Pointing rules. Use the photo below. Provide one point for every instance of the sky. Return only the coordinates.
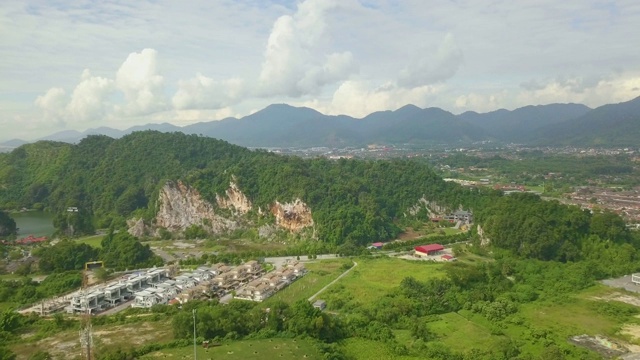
(84, 64)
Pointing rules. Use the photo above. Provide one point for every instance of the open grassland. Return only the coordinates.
(246, 349)
(456, 331)
(66, 345)
(319, 274)
(537, 323)
(357, 348)
(375, 277)
(92, 240)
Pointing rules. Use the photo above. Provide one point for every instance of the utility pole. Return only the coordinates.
(195, 353)
(86, 335)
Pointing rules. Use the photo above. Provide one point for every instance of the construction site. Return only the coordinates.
(149, 287)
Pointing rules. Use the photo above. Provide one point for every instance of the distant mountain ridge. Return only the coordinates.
(281, 125)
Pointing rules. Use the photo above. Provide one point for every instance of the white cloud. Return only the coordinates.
(431, 67)
(294, 64)
(53, 104)
(358, 99)
(141, 84)
(90, 99)
(332, 54)
(202, 92)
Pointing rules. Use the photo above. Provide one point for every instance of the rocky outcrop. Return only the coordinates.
(433, 209)
(293, 216)
(234, 200)
(181, 206)
(484, 241)
(137, 227)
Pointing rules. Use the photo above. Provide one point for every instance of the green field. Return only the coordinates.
(375, 277)
(456, 331)
(92, 240)
(247, 349)
(357, 348)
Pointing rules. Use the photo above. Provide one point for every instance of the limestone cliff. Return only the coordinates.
(484, 240)
(181, 206)
(293, 216)
(234, 200)
(432, 208)
(137, 227)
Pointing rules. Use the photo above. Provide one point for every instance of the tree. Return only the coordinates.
(7, 225)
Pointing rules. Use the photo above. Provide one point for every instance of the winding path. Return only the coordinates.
(334, 281)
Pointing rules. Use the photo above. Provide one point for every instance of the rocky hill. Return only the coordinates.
(176, 182)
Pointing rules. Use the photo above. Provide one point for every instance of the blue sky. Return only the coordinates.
(84, 64)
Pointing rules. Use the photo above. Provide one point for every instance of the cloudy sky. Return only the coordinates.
(85, 64)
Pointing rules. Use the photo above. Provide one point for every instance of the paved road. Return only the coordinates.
(334, 281)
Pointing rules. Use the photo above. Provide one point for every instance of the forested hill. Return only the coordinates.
(351, 200)
(282, 125)
(608, 125)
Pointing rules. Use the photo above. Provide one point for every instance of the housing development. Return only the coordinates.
(144, 289)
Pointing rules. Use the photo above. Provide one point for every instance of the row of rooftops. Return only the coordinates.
(261, 288)
(156, 283)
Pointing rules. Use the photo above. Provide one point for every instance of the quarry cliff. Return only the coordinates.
(180, 206)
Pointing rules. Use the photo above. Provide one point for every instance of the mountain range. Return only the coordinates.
(281, 125)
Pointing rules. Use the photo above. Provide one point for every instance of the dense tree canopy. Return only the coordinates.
(352, 201)
(530, 227)
(7, 225)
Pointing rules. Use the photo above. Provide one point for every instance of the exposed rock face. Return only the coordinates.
(234, 200)
(136, 227)
(293, 216)
(484, 241)
(432, 207)
(181, 206)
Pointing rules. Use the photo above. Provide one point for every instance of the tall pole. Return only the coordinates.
(195, 354)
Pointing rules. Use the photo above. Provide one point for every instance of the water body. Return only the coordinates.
(36, 223)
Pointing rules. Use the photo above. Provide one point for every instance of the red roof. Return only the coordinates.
(377, 244)
(429, 248)
(447, 257)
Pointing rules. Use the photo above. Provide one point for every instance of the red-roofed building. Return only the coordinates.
(377, 245)
(447, 257)
(28, 240)
(426, 250)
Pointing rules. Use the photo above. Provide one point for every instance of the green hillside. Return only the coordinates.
(351, 200)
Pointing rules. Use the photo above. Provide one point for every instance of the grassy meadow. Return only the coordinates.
(245, 349)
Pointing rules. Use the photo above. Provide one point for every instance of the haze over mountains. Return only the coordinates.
(282, 125)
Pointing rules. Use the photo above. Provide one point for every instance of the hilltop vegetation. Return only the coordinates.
(7, 225)
(109, 180)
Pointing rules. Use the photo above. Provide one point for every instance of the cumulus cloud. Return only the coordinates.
(431, 67)
(592, 91)
(90, 98)
(53, 104)
(141, 84)
(89, 101)
(292, 65)
(359, 99)
(204, 92)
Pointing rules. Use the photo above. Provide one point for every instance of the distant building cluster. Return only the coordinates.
(26, 241)
(150, 287)
(262, 288)
(434, 252)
